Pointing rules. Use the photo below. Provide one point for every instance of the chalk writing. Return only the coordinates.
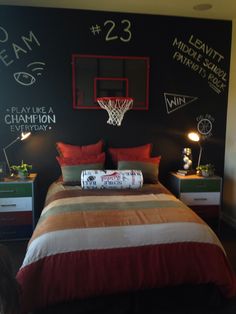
(209, 51)
(95, 29)
(26, 118)
(202, 59)
(16, 51)
(113, 31)
(27, 44)
(175, 101)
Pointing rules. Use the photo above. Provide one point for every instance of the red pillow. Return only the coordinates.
(67, 150)
(143, 151)
(72, 161)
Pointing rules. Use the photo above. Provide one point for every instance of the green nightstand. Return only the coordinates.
(17, 210)
(202, 194)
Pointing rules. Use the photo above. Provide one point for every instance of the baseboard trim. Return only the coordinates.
(229, 220)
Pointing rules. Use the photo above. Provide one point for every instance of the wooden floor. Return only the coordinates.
(227, 236)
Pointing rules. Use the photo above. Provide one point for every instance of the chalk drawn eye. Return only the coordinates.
(24, 78)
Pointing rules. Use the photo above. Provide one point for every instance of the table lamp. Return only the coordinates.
(195, 137)
(22, 137)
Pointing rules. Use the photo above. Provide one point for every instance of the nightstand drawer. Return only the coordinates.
(15, 218)
(208, 211)
(15, 204)
(206, 185)
(15, 190)
(15, 232)
(203, 198)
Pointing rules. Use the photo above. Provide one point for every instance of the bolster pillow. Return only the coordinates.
(111, 179)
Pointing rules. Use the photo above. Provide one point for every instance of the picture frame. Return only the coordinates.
(2, 170)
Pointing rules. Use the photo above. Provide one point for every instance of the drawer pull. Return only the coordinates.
(200, 199)
(8, 205)
(8, 191)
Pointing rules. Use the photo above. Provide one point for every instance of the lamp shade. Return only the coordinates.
(194, 136)
(24, 136)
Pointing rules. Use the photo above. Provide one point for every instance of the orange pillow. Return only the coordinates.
(67, 150)
(143, 151)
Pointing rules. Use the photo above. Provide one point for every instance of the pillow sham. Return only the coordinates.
(68, 150)
(143, 151)
(148, 166)
(71, 168)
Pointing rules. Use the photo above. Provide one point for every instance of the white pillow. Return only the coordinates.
(111, 179)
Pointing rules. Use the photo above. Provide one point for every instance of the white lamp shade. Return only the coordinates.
(193, 136)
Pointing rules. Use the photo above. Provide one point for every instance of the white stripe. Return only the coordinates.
(117, 237)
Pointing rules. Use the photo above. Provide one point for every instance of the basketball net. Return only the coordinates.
(116, 108)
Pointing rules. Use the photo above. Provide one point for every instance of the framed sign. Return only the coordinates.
(2, 169)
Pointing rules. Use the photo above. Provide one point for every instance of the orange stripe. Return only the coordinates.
(111, 218)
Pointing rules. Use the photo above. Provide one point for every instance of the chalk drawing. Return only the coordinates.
(26, 78)
(176, 101)
(205, 125)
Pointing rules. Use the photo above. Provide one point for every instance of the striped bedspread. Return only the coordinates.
(98, 242)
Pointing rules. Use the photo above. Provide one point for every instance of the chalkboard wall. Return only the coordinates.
(188, 84)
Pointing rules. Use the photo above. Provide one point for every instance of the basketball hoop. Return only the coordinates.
(116, 108)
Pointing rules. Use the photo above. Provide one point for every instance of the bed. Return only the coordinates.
(96, 243)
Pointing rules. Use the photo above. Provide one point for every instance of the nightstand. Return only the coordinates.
(202, 194)
(17, 210)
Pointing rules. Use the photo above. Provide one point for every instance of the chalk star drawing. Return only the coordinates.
(95, 29)
(175, 101)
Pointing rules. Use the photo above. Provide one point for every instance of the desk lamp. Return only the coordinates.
(22, 137)
(195, 137)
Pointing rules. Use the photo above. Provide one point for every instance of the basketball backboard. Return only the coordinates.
(96, 76)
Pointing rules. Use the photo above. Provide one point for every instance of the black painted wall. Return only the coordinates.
(189, 73)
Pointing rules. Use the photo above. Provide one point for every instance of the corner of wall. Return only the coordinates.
(229, 191)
